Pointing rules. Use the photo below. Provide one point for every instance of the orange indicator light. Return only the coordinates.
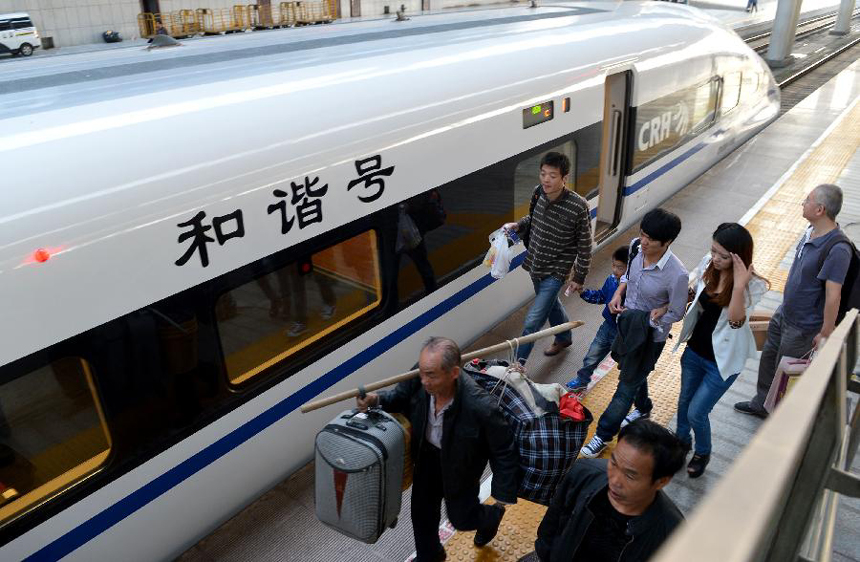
(41, 255)
(546, 113)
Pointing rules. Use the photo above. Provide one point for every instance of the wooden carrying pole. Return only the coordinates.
(509, 344)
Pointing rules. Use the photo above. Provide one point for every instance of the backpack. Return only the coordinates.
(426, 211)
(850, 287)
(525, 235)
(434, 211)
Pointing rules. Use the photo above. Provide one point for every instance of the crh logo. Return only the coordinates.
(682, 120)
(658, 129)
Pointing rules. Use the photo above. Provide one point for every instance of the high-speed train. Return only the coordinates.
(196, 240)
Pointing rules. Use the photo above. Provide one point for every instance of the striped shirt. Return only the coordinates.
(559, 238)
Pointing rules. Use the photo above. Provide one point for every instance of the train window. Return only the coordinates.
(731, 92)
(704, 106)
(272, 317)
(750, 83)
(454, 221)
(52, 434)
(668, 122)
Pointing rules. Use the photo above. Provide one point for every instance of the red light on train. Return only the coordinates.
(41, 255)
(306, 267)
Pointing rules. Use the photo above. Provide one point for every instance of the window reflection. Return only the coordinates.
(52, 434)
(266, 320)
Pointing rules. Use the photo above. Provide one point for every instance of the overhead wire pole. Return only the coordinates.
(843, 18)
(784, 31)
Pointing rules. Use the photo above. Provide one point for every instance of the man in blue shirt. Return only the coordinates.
(602, 342)
(812, 293)
(653, 295)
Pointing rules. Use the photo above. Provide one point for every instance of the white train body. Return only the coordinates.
(102, 161)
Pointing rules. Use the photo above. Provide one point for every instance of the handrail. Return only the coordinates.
(779, 491)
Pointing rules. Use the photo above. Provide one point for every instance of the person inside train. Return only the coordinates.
(651, 296)
(558, 253)
(719, 339)
(457, 427)
(602, 342)
(812, 295)
(427, 212)
(615, 509)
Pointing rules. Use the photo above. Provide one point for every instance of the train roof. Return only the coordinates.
(47, 83)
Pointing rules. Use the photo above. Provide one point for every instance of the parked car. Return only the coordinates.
(18, 35)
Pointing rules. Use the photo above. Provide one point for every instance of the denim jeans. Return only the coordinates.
(547, 306)
(598, 350)
(632, 390)
(701, 388)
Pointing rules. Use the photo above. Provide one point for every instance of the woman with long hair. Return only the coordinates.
(718, 337)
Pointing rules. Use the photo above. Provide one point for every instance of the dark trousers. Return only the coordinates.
(464, 513)
(419, 257)
(782, 339)
(632, 390)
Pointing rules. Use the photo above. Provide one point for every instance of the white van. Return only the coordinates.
(18, 35)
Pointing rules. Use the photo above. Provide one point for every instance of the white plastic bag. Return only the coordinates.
(499, 256)
(408, 235)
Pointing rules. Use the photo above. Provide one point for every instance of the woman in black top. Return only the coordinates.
(718, 337)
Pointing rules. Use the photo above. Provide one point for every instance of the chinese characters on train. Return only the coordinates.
(299, 207)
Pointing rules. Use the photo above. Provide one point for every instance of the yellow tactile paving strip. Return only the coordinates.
(775, 228)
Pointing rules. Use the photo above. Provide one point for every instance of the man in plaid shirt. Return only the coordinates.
(559, 249)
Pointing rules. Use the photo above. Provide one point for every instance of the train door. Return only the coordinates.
(613, 153)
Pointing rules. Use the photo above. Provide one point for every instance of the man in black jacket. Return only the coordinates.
(456, 428)
(615, 510)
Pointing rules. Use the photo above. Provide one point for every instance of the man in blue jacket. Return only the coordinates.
(602, 342)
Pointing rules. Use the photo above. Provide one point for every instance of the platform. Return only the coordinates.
(761, 184)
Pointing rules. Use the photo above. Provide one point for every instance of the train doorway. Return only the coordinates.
(613, 153)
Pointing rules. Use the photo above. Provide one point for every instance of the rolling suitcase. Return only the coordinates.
(359, 472)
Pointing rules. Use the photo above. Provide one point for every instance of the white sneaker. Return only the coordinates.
(593, 448)
(297, 329)
(327, 312)
(633, 416)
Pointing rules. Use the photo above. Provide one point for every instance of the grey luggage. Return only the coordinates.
(359, 472)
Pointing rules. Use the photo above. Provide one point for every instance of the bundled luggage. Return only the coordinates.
(548, 442)
(359, 473)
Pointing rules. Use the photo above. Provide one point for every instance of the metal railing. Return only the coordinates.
(778, 502)
(241, 17)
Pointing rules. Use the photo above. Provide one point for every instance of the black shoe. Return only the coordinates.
(440, 556)
(484, 536)
(696, 466)
(750, 410)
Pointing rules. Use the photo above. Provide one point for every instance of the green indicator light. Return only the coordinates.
(536, 110)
